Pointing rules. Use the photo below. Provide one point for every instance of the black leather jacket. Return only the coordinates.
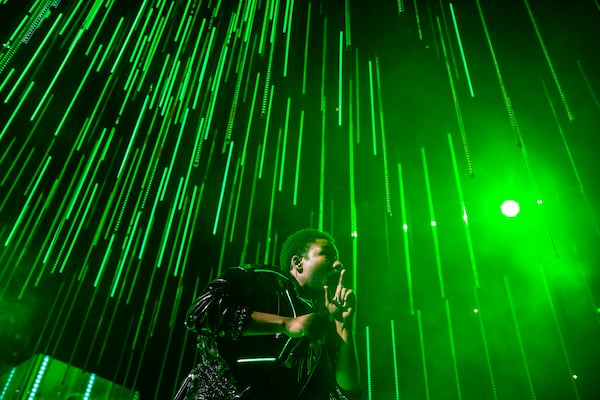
(262, 367)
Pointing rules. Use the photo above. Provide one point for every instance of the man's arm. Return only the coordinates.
(261, 323)
(342, 308)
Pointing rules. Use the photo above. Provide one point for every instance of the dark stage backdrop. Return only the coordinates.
(450, 147)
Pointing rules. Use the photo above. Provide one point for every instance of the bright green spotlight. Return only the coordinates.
(510, 208)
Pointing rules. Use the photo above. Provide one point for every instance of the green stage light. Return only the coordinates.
(510, 208)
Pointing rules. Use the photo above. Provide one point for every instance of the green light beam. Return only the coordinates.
(369, 376)
(550, 64)
(407, 258)
(386, 169)
(306, 48)
(32, 61)
(515, 321)
(507, 102)
(284, 148)
(126, 42)
(223, 186)
(423, 354)
(27, 202)
(457, 110)
(372, 97)
(298, 155)
(266, 134)
(465, 217)
(287, 41)
(453, 349)
(436, 246)
(462, 52)
(395, 360)
(17, 108)
(339, 110)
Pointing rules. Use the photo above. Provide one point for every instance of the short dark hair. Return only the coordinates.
(298, 243)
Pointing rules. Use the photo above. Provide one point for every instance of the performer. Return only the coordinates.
(267, 333)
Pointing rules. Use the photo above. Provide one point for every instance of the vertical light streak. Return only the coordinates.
(73, 240)
(462, 52)
(386, 172)
(507, 102)
(266, 134)
(104, 260)
(550, 64)
(28, 202)
(133, 135)
(372, 97)
(587, 84)
(77, 93)
(207, 51)
(32, 61)
(223, 186)
(185, 234)
(288, 38)
(250, 207)
(559, 330)
(418, 20)
(110, 44)
(250, 119)
(463, 210)
(423, 356)
(571, 161)
(357, 72)
(284, 148)
(347, 26)
(298, 155)
(486, 349)
(459, 118)
(268, 239)
(395, 360)
(353, 218)
(519, 337)
(436, 246)
(340, 79)
(126, 42)
(306, 48)
(369, 377)
(5, 82)
(453, 349)
(322, 172)
(215, 90)
(323, 64)
(406, 242)
(17, 109)
(125, 254)
(400, 6)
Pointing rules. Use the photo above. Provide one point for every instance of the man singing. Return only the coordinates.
(267, 333)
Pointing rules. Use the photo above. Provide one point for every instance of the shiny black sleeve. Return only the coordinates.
(220, 309)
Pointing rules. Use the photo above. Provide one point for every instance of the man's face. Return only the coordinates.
(319, 267)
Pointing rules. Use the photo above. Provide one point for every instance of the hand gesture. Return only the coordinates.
(343, 302)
